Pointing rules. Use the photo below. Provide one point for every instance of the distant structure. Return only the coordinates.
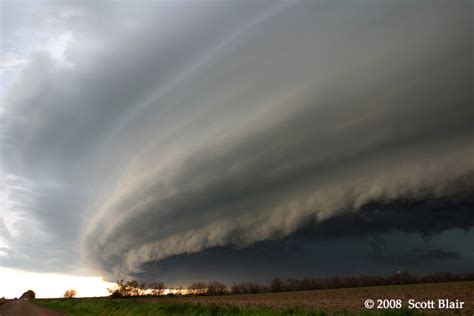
(28, 295)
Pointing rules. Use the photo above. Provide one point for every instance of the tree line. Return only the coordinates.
(135, 288)
(312, 283)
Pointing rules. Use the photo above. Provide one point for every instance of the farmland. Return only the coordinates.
(315, 302)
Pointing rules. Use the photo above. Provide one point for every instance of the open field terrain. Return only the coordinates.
(345, 299)
(333, 301)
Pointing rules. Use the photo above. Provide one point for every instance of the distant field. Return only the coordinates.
(344, 299)
(315, 302)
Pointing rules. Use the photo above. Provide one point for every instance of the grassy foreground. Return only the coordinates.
(132, 307)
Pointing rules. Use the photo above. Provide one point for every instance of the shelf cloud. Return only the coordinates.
(170, 130)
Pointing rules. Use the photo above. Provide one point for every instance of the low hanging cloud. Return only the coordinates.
(162, 135)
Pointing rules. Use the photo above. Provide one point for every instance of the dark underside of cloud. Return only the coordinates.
(305, 137)
(370, 241)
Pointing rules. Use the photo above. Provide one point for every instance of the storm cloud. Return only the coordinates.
(174, 129)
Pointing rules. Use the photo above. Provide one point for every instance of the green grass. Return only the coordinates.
(132, 307)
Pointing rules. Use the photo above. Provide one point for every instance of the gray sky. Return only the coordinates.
(174, 139)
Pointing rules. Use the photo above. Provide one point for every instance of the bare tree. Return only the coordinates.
(216, 288)
(237, 288)
(126, 289)
(277, 285)
(134, 287)
(179, 291)
(198, 288)
(157, 288)
(70, 293)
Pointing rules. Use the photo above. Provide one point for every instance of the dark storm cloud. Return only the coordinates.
(419, 236)
(162, 135)
(420, 256)
(412, 257)
(297, 258)
(425, 215)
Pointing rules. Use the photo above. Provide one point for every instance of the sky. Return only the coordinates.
(45, 285)
(187, 141)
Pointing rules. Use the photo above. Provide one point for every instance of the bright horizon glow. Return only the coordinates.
(15, 282)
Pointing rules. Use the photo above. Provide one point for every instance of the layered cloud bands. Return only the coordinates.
(228, 130)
